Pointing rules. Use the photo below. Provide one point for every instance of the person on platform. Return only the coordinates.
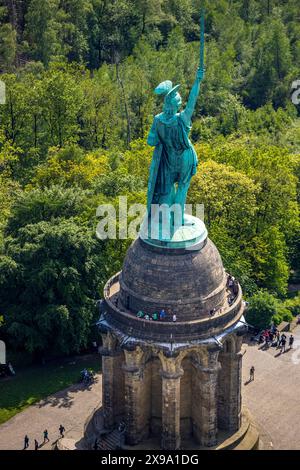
(252, 371)
(162, 315)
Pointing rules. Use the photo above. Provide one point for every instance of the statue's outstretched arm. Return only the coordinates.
(194, 94)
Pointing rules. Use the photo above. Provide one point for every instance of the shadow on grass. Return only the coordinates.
(36, 383)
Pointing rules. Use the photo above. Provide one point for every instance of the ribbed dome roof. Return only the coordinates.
(189, 284)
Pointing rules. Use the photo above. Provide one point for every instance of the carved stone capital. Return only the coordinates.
(172, 375)
(109, 343)
(134, 359)
(171, 366)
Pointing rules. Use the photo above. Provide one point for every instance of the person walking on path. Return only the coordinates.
(283, 343)
(252, 370)
(291, 341)
(46, 436)
(26, 442)
(61, 431)
(36, 445)
(278, 338)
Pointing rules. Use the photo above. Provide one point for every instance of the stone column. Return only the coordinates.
(170, 411)
(171, 374)
(205, 407)
(109, 353)
(108, 389)
(235, 405)
(230, 391)
(134, 413)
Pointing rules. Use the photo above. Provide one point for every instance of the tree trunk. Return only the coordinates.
(125, 105)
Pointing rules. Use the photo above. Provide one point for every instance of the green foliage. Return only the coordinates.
(8, 46)
(70, 166)
(293, 305)
(117, 184)
(47, 204)
(270, 265)
(272, 63)
(263, 307)
(48, 286)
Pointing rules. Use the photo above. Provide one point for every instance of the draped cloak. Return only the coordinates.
(174, 158)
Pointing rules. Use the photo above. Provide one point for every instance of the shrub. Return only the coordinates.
(262, 308)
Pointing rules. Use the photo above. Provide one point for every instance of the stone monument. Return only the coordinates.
(172, 319)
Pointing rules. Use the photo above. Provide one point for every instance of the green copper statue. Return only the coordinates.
(174, 161)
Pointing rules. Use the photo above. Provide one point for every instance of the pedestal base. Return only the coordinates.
(190, 236)
(246, 438)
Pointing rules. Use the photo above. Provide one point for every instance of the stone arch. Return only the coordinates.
(198, 395)
(229, 345)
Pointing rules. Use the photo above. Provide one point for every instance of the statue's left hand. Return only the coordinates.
(200, 74)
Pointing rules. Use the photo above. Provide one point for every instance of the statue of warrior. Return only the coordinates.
(174, 160)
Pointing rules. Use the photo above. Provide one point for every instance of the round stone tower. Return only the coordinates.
(174, 379)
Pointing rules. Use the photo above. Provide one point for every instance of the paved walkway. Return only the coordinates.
(70, 407)
(273, 399)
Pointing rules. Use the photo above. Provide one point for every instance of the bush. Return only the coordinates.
(277, 319)
(284, 313)
(262, 309)
(293, 305)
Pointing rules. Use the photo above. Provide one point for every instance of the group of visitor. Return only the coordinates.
(273, 337)
(161, 316)
(61, 430)
(86, 376)
(233, 286)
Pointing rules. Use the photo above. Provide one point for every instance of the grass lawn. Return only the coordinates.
(37, 382)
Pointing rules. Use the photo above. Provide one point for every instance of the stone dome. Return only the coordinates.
(188, 283)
